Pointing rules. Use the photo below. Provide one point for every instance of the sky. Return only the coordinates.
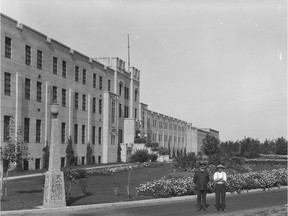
(217, 64)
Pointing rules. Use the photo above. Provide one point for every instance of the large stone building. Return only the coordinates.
(99, 99)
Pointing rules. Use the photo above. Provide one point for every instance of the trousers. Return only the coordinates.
(201, 198)
(220, 191)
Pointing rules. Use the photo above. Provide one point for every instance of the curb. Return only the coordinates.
(41, 209)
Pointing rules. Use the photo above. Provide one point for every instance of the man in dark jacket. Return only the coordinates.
(201, 179)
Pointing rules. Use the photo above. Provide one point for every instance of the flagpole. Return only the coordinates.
(128, 54)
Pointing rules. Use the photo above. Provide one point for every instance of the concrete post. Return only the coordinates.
(54, 191)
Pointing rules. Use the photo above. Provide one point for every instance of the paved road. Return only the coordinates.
(236, 205)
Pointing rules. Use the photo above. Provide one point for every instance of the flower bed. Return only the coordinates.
(236, 182)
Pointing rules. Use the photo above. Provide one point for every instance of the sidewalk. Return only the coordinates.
(131, 204)
(88, 168)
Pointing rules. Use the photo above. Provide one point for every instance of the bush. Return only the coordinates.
(163, 151)
(153, 157)
(185, 162)
(154, 146)
(140, 156)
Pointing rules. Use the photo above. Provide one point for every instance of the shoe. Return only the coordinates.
(204, 209)
(199, 209)
(216, 210)
(224, 210)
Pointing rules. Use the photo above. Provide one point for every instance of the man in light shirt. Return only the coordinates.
(220, 179)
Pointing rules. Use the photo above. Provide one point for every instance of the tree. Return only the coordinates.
(119, 153)
(210, 145)
(249, 148)
(15, 151)
(70, 157)
(281, 146)
(89, 154)
(46, 156)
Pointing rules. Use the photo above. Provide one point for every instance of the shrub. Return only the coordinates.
(185, 162)
(153, 157)
(163, 151)
(140, 156)
(154, 146)
(70, 157)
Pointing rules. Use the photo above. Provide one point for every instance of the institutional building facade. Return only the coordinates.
(98, 98)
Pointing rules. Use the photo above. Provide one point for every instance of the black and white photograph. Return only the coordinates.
(143, 107)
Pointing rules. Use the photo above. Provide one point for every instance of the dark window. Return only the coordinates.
(84, 102)
(8, 42)
(84, 77)
(64, 97)
(120, 110)
(136, 95)
(76, 133)
(113, 111)
(26, 129)
(6, 128)
(126, 93)
(37, 163)
(83, 134)
(109, 85)
(83, 160)
(38, 130)
(76, 100)
(120, 136)
(27, 89)
(64, 69)
(62, 161)
(93, 135)
(39, 59)
(76, 74)
(100, 107)
(55, 60)
(94, 80)
(54, 94)
(93, 159)
(135, 113)
(126, 112)
(100, 82)
(7, 84)
(27, 55)
(120, 89)
(94, 105)
(39, 92)
(99, 135)
(63, 134)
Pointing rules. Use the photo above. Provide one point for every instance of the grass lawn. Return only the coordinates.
(27, 193)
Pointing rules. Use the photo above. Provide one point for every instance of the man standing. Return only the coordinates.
(201, 179)
(220, 179)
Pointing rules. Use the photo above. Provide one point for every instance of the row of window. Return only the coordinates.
(84, 160)
(165, 125)
(27, 94)
(160, 138)
(63, 132)
(55, 69)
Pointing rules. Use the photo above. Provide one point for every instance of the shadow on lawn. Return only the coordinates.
(74, 199)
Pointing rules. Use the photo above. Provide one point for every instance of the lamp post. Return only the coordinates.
(54, 190)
